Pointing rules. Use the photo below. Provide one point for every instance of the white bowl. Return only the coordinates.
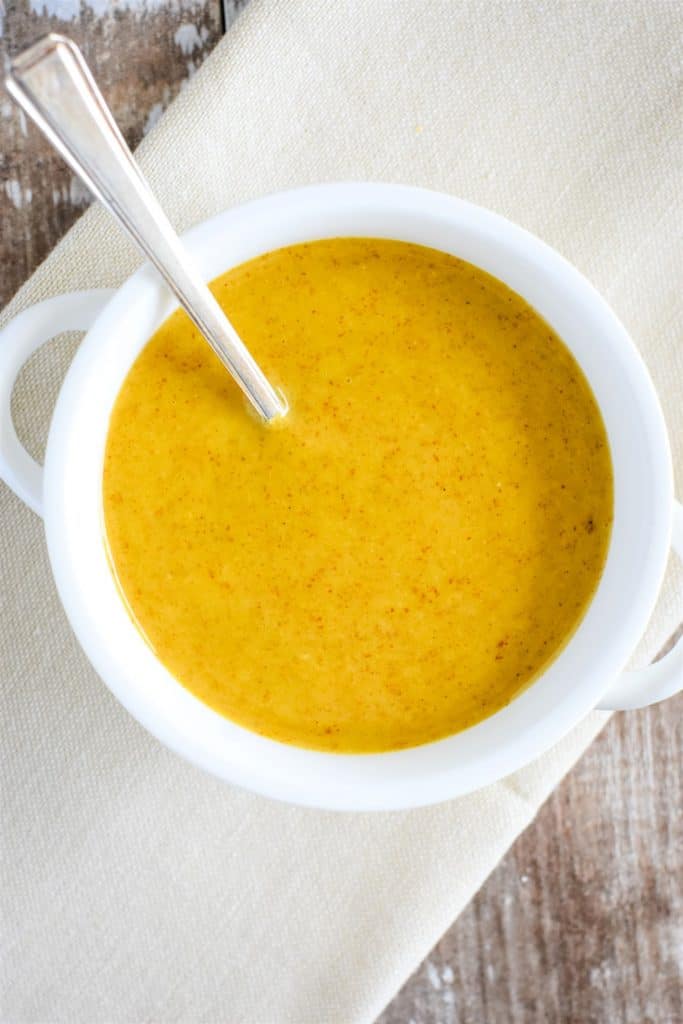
(586, 673)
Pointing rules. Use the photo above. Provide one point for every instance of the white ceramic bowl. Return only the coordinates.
(69, 495)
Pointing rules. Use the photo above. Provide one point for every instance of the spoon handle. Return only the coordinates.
(53, 84)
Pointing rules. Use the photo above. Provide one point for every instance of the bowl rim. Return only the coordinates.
(490, 750)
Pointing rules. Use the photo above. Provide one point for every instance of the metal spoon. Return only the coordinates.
(53, 84)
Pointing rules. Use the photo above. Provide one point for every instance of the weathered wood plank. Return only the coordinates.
(582, 922)
(141, 53)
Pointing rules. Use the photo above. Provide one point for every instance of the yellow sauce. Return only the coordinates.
(405, 552)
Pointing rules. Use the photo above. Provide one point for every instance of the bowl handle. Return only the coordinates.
(660, 680)
(29, 330)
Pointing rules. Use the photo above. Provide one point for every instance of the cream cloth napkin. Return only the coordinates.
(135, 888)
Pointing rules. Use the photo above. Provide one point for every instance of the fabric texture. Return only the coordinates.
(134, 887)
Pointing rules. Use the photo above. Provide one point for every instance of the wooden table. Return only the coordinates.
(582, 921)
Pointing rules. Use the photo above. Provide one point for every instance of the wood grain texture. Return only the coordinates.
(141, 54)
(582, 922)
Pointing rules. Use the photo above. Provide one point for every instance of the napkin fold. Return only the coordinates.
(135, 887)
